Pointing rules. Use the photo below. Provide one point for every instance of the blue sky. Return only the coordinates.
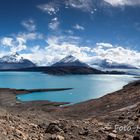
(47, 30)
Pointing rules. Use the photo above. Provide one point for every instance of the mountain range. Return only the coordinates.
(98, 63)
(67, 65)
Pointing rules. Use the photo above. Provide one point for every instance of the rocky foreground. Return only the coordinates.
(115, 116)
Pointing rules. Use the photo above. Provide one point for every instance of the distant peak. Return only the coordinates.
(70, 61)
(12, 57)
(70, 56)
(15, 61)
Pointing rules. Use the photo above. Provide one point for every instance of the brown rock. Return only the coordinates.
(21, 134)
(128, 136)
(111, 136)
(107, 128)
(43, 125)
(135, 118)
(121, 117)
(56, 137)
(53, 128)
(84, 132)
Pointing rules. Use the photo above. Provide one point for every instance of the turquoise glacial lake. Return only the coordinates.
(85, 87)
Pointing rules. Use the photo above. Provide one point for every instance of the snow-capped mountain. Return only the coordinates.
(70, 61)
(14, 61)
(12, 58)
(106, 63)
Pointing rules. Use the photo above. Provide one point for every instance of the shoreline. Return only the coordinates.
(13, 101)
(65, 104)
(14, 92)
(107, 103)
(95, 118)
(8, 96)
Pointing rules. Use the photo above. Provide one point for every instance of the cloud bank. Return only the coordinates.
(56, 50)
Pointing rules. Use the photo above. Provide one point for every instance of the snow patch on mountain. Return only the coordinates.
(12, 58)
(14, 61)
(70, 61)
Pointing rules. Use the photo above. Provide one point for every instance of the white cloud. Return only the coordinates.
(18, 42)
(37, 55)
(69, 32)
(62, 39)
(51, 8)
(54, 24)
(84, 5)
(19, 45)
(118, 54)
(7, 41)
(78, 27)
(57, 49)
(30, 36)
(14, 44)
(29, 25)
(116, 3)
(104, 45)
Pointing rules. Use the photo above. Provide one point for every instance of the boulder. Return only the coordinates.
(53, 128)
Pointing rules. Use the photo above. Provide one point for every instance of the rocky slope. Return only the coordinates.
(115, 116)
(108, 127)
(13, 127)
